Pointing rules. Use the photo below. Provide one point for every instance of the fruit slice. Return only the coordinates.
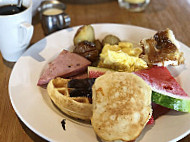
(166, 90)
(151, 120)
(177, 103)
(94, 72)
(159, 110)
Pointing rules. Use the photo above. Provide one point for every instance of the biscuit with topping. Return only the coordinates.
(121, 106)
(162, 49)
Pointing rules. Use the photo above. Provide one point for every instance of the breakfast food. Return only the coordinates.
(121, 106)
(86, 45)
(84, 33)
(110, 39)
(161, 81)
(87, 49)
(95, 72)
(72, 97)
(162, 49)
(80, 76)
(158, 110)
(65, 65)
(166, 90)
(122, 57)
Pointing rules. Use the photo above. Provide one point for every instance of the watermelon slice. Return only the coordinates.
(166, 90)
(151, 120)
(161, 81)
(173, 102)
(95, 72)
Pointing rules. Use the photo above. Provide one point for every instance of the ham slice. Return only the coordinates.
(65, 65)
(82, 75)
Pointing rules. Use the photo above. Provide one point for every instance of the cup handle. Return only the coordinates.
(63, 22)
(67, 20)
(26, 31)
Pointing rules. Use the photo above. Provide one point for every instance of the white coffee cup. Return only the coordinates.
(15, 31)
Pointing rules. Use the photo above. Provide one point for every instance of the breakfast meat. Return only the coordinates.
(121, 106)
(65, 65)
(162, 49)
(87, 49)
(82, 75)
(72, 96)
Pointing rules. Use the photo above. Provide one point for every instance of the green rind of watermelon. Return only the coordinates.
(179, 104)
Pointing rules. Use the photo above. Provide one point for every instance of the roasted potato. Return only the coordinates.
(110, 39)
(84, 33)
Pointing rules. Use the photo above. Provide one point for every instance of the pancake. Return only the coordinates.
(121, 106)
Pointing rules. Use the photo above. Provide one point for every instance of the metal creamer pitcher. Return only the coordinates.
(53, 16)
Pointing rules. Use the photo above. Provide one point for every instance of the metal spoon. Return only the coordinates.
(19, 4)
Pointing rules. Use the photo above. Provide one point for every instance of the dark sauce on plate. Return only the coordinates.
(63, 122)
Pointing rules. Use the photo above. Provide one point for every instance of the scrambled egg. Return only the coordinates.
(122, 57)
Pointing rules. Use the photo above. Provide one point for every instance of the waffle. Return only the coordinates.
(77, 107)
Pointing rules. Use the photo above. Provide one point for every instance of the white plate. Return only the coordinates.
(36, 110)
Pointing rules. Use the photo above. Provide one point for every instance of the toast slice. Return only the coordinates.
(162, 49)
(121, 106)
